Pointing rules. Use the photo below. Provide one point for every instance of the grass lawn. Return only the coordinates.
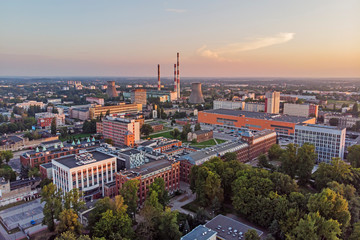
(81, 135)
(339, 101)
(191, 206)
(207, 143)
(163, 134)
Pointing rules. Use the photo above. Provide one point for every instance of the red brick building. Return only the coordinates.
(200, 135)
(147, 173)
(35, 158)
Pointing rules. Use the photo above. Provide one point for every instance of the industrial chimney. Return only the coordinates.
(196, 94)
(159, 83)
(178, 77)
(175, 81)
(111, 89)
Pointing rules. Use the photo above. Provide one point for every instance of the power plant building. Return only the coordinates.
(111, 89)
(196, 95)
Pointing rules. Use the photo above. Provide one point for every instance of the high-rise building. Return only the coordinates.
(138, 96)
(272, 102)
(122, 131)
(111, 89)
(329, 141)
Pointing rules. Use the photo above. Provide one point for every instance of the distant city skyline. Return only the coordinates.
(215, 38)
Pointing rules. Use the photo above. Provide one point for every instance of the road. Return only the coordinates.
(14, 163)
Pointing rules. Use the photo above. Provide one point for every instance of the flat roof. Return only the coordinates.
(199, 233)
(70, 161)
(259, 115)
(321, 126)
(228, 228)
(150, 167)
(46, 165)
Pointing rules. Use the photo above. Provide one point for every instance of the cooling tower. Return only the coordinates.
(196, 94)
(111, 89)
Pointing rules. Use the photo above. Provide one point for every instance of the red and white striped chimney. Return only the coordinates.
(178, 77)
(159, 83)
(175, 81)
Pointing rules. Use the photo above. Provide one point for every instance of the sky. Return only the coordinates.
(215, 38)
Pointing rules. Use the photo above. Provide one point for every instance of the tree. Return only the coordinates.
(100, 207)
(355, 235)
(213, 188)
(168, 227)
(313, 227)
(33, 172)
(354, 155)
(229, 156)
(337, 171)
(275, 152)
(289, 160)
(334, 121)
(330, 205)
(53, 126)
(175, 133)
(306, 160)
(69, 222)
(146, 129)
(355, 109)
(114, 221)
(159, 187)
(129, 192)
(263, 161)
(73, 200)
(7, 155)
(252, 235)
(109, 141)
(53, 207)
(197, 127)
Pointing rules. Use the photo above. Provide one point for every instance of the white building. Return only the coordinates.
(329, 141)
(344, 121)
(87, 171)
(26, 105)
(254, 107)
(224, 104)
(301, 110)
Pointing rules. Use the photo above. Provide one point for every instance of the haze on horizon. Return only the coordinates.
(270, 38)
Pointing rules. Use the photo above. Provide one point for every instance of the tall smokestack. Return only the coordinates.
(178, 76)
(175, 81)
(159, 83)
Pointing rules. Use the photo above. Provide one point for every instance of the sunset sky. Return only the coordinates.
(215, 38)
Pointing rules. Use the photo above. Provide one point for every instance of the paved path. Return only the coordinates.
(175, 202)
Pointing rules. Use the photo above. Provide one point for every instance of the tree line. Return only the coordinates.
(282, 199)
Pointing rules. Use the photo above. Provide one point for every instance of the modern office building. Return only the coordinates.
(96, 111)
(272, 102)
(301, 110)
(86, 171)
(138, 96)
(329, 141)
(122, 131)
(282, 124)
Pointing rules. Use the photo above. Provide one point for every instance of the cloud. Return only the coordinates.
(175, 10)
(244, 46)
